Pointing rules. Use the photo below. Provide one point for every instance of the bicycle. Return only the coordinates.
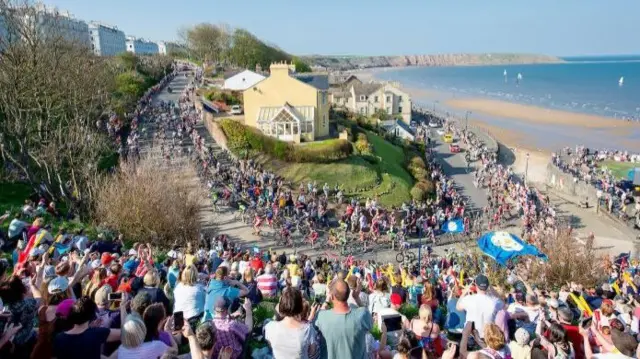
(405, 255)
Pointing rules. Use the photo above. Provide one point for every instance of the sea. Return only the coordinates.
(590, 85)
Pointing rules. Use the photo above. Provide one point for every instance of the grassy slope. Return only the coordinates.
(619, 169)
(395, 179)
(355, 173)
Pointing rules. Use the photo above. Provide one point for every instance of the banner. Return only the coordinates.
(453, 226)
(504, 246)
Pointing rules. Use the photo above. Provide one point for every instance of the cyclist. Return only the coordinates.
(242, 210)
(257, 223)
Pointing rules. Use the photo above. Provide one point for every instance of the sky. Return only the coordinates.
(390, 27)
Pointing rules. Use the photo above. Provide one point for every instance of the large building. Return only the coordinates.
(369, 98)
(291, 107)
(141, 46)
(107, 40)
(51, 22)
(166, 47)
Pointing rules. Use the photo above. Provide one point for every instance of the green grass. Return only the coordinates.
(351, 173)
(619, 169)
(383, 175)
(12, 196)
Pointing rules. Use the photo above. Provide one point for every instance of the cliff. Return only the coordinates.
(359, 62)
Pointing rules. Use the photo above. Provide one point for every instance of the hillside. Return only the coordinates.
(355, 62)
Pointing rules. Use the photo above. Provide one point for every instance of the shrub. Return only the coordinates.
(422, 189)
(135, 203)
(241, 137)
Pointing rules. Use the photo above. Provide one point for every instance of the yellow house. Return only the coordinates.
(291, 107)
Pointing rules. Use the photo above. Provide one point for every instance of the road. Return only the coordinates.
(455, 167)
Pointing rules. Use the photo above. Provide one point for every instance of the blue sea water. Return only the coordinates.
(584, 84)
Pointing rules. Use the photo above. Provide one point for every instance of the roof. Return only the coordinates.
(301, 113)
(366, 89)
(242, 80)
(319, 81)
(404, 126)
(339, 79)
(345, 94)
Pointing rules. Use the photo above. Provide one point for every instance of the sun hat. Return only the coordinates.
(102, 295)
(95, 264)
(58, 285)
(553, 303)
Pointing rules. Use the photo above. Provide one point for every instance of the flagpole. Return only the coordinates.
(419, 251)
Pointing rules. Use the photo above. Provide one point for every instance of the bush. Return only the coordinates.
(135, 203)
(422, 189)
(241, 137)
(228, 98)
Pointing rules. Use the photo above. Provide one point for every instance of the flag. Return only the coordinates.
(453, 226)
(503, 246)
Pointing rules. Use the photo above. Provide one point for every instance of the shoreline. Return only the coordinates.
(517, 125)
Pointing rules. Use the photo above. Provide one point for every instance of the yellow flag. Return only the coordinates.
(616, 287)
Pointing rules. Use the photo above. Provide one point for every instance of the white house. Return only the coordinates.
(141, 46)
(50, 21)
(242, 81)
(399, 129)
(106, 40)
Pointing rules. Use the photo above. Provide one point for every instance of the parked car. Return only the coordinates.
(434, 123)
(440, 132)
(236, 110)
(454, 148)
(448, 138)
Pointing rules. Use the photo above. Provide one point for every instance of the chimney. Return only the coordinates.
(280, 69)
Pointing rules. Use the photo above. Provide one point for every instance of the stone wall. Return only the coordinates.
(566, 184)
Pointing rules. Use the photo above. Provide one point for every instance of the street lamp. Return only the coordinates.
(466, 121)
(526, 169)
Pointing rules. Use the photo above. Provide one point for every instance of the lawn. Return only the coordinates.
(358, 177)
(13, 195)
(619, 169)
(351, 173)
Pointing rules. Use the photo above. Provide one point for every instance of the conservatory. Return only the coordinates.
(287, 123)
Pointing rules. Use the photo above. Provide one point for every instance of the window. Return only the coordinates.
(389, 110)
(362, 110)
(362, 98)
(400, 99)
(400, 109)
(324, 98)
(388, 98)
(324, 120)
(375, 99)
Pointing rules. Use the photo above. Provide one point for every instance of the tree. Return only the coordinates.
(301, 66)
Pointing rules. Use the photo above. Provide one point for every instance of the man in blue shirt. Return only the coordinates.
(220, 286)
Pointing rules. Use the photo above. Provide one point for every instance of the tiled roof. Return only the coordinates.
(366, 89)
(319, 81)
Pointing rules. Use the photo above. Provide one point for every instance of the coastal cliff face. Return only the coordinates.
(360, 62)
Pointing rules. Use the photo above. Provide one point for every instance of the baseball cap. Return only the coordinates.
(482, 282)
(106, 259)
(553, 303)
(58, 285)
(396, 299)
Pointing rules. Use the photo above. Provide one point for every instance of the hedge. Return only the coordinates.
(242, 137)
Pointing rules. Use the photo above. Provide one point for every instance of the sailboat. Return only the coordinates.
(505, 75)
(519, 78)
(621, 81)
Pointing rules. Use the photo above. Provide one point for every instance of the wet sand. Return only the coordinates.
(539, 115)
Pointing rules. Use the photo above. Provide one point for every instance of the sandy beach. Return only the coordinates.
(539, 114)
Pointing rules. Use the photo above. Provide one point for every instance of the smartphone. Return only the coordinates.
(178, 320)
(114, 296)
(320, 299)
(586, 323)
(393, 324)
